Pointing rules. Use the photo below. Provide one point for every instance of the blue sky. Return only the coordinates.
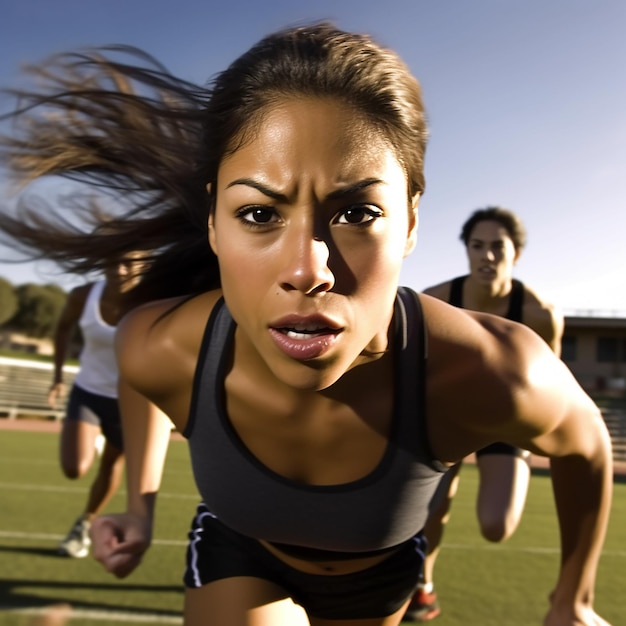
(526, 101)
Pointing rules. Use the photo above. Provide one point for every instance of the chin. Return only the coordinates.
(308, 376)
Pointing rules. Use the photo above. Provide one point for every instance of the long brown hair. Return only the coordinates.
(116, 119)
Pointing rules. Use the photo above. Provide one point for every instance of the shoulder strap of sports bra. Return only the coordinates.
(217, 333)
(456, 291)
(412, 367)
(516, 302)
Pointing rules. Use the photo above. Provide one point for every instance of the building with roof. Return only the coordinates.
(594, 348)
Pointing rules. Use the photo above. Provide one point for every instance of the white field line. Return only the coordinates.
(13, 534)
(16, 461)
(524, 549)
(102, 616)
(148, 618)
(10, 534)
(58, 489)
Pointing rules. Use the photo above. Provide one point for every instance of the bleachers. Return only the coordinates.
(616, 423)
(24, 389)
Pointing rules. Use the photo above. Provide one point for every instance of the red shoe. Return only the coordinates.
(423, 607)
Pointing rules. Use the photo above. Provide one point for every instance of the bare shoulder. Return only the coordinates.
(158, 343)
(544, 317)
(440, 291)
(481, 377)
(75, 303)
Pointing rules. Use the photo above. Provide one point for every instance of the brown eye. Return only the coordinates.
(358, 215)
(257, 215)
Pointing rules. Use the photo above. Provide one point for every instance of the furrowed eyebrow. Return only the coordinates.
(279, 197)
(351, 189)
(266, 191)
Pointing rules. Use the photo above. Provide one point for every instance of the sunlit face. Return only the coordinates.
(491, 253)
(311, 224)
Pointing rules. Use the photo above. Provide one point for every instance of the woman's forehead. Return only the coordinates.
(307, 132)
(490, 230)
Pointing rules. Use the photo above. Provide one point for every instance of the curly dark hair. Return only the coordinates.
(509, 220)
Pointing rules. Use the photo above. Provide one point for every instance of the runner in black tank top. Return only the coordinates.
(494, 238)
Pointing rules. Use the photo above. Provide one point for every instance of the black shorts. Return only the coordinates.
(102, 411)
(502, 448)
(216, 552)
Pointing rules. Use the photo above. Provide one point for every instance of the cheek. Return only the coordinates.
(238, 266)
(247, 276)
(507, 258)
(474, 256)
(381, 259)
(376, 273)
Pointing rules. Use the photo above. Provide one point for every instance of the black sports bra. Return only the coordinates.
(383, 509)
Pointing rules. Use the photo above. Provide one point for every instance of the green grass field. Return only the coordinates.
(479, 584)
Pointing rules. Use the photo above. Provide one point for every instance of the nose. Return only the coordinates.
(306, 265)
(489, 254)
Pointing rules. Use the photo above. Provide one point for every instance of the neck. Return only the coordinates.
(487, 297)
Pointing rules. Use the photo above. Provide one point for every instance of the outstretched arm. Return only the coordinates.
(582, 488)
(495, 380)
(582, 478)
(121, 540)
(571, 431)
(146, 438)
(156, 371)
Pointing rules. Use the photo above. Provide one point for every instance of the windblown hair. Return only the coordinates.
(130, 132)
(153, 142)
(507, 219)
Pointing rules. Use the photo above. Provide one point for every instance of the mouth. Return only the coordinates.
(304, 338)
(303, 334)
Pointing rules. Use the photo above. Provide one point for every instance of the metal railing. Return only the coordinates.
(24, 386)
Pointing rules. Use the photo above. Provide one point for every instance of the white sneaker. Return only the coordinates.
(99, 445)
(77, 542)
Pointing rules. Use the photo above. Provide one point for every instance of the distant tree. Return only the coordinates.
(39, 307)
(8, 301)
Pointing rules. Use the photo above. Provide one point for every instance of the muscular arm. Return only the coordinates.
(157, 348)
(146, 438)
(155, 383)
(579, 447)
(145, 386)
(120, 540)
(494, 380)
(582, 478)
(583, 489)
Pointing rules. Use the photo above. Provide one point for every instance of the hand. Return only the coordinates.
(120, 541)
(56, 391)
